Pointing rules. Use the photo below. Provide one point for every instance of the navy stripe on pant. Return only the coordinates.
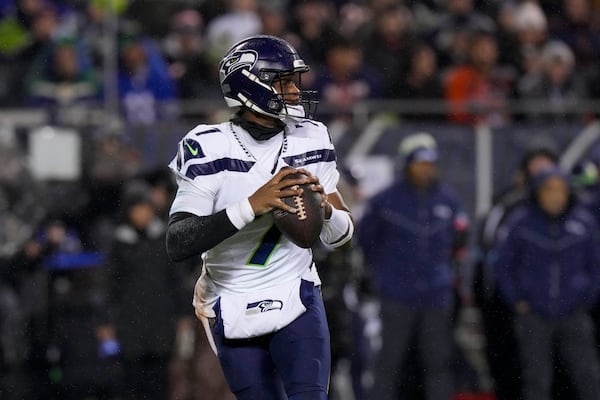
(292, 363)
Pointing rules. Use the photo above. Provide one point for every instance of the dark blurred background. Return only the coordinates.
(95, 94)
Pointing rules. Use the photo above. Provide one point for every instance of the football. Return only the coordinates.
(304, 227)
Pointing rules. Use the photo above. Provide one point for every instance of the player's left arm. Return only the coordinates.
(338, 226)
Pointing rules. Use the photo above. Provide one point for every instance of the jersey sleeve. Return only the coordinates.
(196, 190)
(193, 199)
(328, 174)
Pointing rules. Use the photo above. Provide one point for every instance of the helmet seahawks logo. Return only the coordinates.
(238, 60)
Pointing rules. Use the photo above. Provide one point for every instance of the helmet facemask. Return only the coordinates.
(295, 104)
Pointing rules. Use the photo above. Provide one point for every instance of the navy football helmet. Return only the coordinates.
(250, 68)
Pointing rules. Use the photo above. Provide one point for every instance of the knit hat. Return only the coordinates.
(541, 177)
(419, 147)
(530, 16)
(557, 51)
(136, 192)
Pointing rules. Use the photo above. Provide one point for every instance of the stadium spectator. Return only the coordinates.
(27, 10)
(145, 88)
(184, 49)
(27, 31)
(523, 31)
(378, 6)
(314, 22)
(557, 83)
(15, 38)
(548, 273)
(44, 24)
(346, 78)
(274, 19)
(93, 27)
(579, 28)
(62, 76)
(454, 29)
(354, 17)
(422, 80)
(388, 47)
(477, 91)
(147, 93)
(411, 235)
(241, 14)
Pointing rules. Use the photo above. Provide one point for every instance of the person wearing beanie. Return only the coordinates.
(547, 268)
(558, 81)
(532, 161)
(412, 235)
(504, 364)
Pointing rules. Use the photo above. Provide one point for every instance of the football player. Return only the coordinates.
(259, 294)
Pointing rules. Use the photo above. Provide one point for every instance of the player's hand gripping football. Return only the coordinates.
(329, 200)
(268, 196)
(317, 187)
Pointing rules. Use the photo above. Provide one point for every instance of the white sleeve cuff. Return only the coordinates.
(240, 214)
(338, 229)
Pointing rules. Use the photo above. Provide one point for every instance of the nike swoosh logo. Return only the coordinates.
(191, 149)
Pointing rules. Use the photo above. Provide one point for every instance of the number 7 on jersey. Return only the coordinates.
(265, 249)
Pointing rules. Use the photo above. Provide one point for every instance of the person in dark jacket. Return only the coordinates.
(144, 291)
(496, 317)
(547, 268)
(410, 234)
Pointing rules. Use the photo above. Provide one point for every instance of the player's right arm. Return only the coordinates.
(190, 234)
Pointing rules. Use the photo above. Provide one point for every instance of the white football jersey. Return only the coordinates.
(220, 165)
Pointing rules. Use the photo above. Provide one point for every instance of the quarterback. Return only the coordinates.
(259, 294)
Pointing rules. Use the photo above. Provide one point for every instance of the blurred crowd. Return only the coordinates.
(91, 307)
(477, 55)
